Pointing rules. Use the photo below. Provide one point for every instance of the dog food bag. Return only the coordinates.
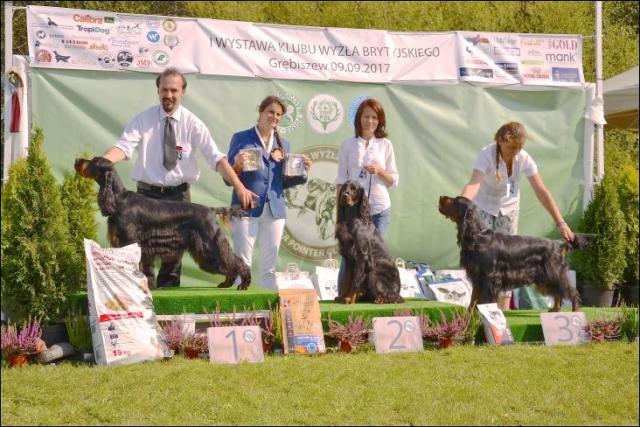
(123, 323)
(496, 329)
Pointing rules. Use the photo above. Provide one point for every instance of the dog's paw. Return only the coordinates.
(225, 285)
(242, 287)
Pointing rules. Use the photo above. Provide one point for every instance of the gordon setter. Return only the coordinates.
(371, 273)
(165, 229)
(497, 262)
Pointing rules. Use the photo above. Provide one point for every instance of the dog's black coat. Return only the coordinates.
(371, 272)
(497, 262)
(165, 229)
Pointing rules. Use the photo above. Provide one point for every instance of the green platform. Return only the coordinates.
(525, 324)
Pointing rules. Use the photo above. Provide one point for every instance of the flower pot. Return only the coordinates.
(192, 353)
(595, 296)
(346, 346)
(55, 334)
(265, 346)
(446, 343)
(469, 341)
(629, 294)
(18, 360)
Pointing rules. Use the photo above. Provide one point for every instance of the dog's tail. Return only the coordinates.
(226, 213)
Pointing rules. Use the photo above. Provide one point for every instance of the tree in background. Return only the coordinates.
(41, 267)
(79, 196)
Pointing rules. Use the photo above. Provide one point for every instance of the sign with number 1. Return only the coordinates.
(234, 344)
(564, 328)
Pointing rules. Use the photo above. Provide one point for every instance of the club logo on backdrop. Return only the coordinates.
(292, 118)
(171, 41)
(353, 109)
(169, 25)
(311, 208)
(325, 113)
(160, 57)
(107, 60)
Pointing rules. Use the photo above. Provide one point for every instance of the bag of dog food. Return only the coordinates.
(123, 323)
(496, 329)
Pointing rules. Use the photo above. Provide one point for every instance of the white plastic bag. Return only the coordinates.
(325, 279)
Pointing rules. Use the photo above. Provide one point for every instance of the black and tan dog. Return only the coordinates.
(371, 273)
(165, 229)
(497, 262)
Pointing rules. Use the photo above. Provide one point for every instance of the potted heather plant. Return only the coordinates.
(451, 330)
(602, 328)
(174, 333)
(429, 330)
(272, 330)
(194, 344)
(17, 343)
(352, 334)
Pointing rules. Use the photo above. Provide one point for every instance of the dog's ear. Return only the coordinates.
(102, 162)
(363, 205)
(106, 197)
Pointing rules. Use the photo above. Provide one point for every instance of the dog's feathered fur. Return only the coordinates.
(497, 262)
(371, 273)
(165, 229)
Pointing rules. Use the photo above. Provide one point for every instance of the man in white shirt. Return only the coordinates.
(146, 133)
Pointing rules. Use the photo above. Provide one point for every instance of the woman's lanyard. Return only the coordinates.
(363, 173)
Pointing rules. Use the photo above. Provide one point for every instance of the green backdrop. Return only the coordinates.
(436, 130)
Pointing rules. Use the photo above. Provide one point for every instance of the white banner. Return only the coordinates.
(97, 40)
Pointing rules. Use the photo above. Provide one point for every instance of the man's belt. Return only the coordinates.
(159, 189)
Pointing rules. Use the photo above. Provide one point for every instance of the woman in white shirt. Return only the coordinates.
(494, 186)
(368, 158)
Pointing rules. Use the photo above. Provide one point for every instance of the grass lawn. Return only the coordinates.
(523, 384)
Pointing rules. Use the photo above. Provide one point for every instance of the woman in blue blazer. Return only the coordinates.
(265, 219)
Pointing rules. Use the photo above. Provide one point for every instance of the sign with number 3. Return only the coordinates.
(564, 328)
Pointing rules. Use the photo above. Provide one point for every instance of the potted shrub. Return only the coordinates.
(42, 268)
(599, 267)
(351, 334)
(79, 331)
(451, 330)
(629, 322)
(474, 323)
(19, 342)
(601, 328)
(628, 194)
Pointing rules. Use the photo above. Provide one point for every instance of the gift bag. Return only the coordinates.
(408, 278)
(450, 290)
(424, 275)
(325, 280)
(293, 165)
(496, 328)
(293, 278)
(254, 162)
